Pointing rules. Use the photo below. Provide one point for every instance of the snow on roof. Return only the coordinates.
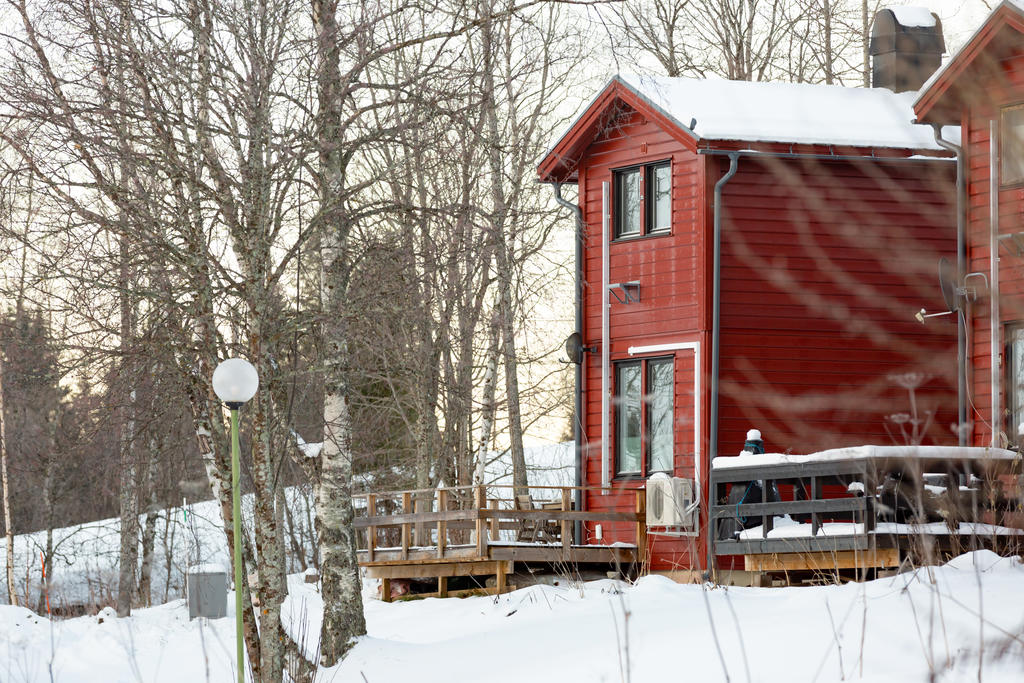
(860, 452)
(913, 16)
(800, 113)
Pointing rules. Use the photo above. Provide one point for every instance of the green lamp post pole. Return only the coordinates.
(235, 381)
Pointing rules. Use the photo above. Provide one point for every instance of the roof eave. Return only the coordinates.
(555, 165)
(929, 106)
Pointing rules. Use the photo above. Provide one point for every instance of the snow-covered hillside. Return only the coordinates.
(898, 629)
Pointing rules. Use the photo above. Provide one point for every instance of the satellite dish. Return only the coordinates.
(948, 284)
(573, 347)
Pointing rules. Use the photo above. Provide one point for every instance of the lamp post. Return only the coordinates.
(235, 381)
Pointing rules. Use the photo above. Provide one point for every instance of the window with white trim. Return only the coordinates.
(644, 416)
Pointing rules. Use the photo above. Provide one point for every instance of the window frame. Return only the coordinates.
(1003, 127)
(646, 400)
(647, 201)
(1013, 403)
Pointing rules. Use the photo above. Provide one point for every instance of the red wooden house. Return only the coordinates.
(753, 255)
(981, 89)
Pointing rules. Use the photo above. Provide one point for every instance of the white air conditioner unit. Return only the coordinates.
(671, 502)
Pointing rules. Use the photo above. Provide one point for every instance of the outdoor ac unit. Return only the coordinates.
(670, 502)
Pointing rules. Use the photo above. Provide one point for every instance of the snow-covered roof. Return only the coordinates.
(799, 113)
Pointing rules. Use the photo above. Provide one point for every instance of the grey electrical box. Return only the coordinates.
(207, 588)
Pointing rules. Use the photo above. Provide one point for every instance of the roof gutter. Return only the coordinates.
(577, 424)
(734, 158)
(822, 157)
(961, 267)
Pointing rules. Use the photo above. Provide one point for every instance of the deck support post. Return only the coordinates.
(499, 579)
(385, 590)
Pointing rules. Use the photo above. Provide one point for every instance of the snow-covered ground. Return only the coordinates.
(901, 628)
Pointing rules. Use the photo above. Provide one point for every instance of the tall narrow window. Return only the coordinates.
(1011, 145)
(661, 197)
(628, 445)
(629, 198)
(1015, 380)
(643, 200)
(644, 438)
(659, 415)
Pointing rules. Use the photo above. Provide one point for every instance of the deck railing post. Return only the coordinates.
(418, 538)
(442, 526)
(371, 532)
(479, 501)
(495, 525)
(406, 529)
(566, 528)
(641, 525)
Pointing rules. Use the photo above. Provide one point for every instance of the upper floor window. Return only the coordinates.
(644, 416)
(643, 199)
(1011, 145)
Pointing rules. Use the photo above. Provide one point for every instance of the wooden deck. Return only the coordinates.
(854, 530)
(486, 531)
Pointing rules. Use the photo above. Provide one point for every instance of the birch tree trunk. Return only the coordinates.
(145, 587)
(343, 607)
(12, 595)
(503, 261)
(488, 406)
(129, 504)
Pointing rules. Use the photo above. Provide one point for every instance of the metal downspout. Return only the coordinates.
(961, 269)
(577, 424)
(993, 256)
(715, 338)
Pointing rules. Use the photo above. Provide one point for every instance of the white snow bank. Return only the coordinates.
(916, 17)
(861, 452)
(895, 629)
(799, 113)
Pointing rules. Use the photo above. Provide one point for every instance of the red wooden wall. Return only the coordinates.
(1003, 86)
(824, 264)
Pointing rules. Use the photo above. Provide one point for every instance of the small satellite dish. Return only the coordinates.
(573, 347)
(948, 284)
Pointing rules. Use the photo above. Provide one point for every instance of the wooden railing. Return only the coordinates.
(473, 517)
(861, 507)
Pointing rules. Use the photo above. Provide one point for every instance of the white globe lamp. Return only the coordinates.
(235, 381)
